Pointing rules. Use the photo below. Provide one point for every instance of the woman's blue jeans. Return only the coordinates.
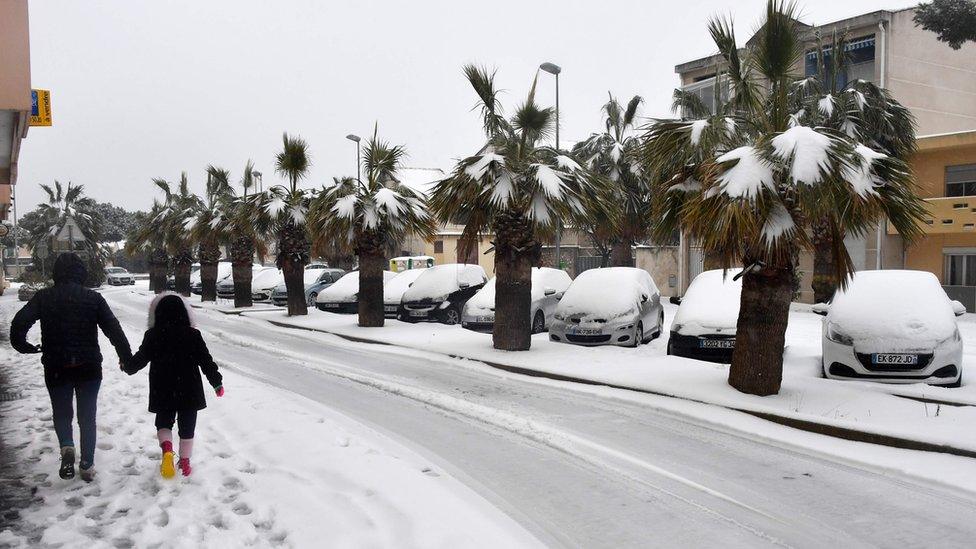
(63, 412)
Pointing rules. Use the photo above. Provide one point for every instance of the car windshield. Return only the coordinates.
(606, 293)
(115, 270)
(712, 300)
(444, 279)
(393, 290)
(267, 278)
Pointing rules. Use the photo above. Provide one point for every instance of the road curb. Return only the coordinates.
(844, 433)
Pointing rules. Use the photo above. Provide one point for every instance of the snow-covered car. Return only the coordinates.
(393, 290)
(225, 284)
(548, 287)
(704, 325)
(316, 280)
(171, 279)
(316, 266)
(264, 282)
(343, 296)
(892, 326)
(609, 306)
(117, 276)
(439, 294)
(224, 269)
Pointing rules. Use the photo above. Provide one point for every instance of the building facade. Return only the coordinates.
(15, 94)
(937, 83)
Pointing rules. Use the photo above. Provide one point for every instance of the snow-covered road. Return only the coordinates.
(590, 467)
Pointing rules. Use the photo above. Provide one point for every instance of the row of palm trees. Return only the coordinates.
(785, 164)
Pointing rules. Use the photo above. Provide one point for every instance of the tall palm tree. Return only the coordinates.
(286, 207)
(748, 182)
(864, 112)
(369, 216)
(242, 214)
(150, 238)
(516, 188)
(208, 228)
(166, 234)
(69, 204)
(611, 154)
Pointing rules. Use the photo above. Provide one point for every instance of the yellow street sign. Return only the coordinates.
(40, 108)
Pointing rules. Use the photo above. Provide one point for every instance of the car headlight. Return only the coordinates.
(677, 327)
(834, 335)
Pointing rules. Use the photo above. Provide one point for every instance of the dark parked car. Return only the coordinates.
(705, 324)
(440, 293)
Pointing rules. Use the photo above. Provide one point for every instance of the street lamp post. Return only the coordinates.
(356, 139)
(257, 175)
(554, 70)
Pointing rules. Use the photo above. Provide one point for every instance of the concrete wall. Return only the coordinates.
(936, 82)
(15, 84)
(662, 263)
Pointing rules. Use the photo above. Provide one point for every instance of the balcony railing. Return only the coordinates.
(955, 214)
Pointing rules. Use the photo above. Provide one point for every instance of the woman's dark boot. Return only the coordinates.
(67, 470)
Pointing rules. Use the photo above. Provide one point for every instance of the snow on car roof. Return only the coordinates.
(542, 278)
(267, 278)
(393, 290)
(712, 301)
(891, 310)
(606, 292)
(347, 287)
(444, 279)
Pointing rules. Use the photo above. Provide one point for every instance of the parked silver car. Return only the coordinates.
(117, 276)
(316, 280)
(548, 287)
(610, 306)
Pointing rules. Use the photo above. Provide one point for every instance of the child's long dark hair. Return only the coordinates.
(169, 310)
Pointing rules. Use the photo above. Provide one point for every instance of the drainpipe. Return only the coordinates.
(882, 81)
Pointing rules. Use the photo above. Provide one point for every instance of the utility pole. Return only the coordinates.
(554, 70)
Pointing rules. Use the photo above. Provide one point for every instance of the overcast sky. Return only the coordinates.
(148, 88)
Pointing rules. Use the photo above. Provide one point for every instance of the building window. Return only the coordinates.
(960, 180)
(438, 246)
(960, 270)
(705, 90)
(860, 61)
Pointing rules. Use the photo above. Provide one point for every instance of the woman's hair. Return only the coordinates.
(170, 310)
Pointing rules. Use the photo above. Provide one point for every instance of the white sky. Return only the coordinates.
(148, 88)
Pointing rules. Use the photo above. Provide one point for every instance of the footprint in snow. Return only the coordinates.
(242, 509)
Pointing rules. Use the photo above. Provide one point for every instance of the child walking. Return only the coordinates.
(176, 353)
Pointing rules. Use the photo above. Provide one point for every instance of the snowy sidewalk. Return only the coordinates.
(860, 407)
(270, 469)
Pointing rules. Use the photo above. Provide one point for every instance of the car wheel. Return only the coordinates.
(311, 299)
(452, 316)
(639, 334)
(957, 384)
(539, 323)
(660, 326)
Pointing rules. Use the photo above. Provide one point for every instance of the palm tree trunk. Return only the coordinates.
(372, 261)
(516, 250)
(181, 271)
(158, 263)
(293, 250)
(622, 254)
(824, 266)
(209, 257)
(757, 362)
(242, 254)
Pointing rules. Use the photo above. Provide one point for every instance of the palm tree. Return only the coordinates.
(167, 235)
(69, 205)
(611, 154)
(209, 228)
(242, 214)
(515, 188)
(369, 217)
(150, 238)
(747, 183)
(286, 207)
(863, 111)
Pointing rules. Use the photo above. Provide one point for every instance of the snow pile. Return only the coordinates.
(267, 279)
(697, 127)
(711, 303)
(748, 176)
(484, 300)
(893, 311)
(441, 280)
(807, 152)
(544, 278)
(393, 290)
(860, 174)
(606, 293)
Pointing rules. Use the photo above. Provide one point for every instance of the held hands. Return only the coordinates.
(219, 390)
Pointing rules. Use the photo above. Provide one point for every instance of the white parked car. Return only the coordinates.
(609, 306)
(548, 287)
(892, 326)
(393, 290)
(224, 269)
(705, 324)
(225, 284)
(343, 296)
(117, 276)
(264, 283)
(440, 293)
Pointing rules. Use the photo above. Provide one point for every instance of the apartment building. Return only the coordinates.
(15, 94)
(936, 82)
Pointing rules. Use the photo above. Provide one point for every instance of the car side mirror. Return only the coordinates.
(820, 309)
(550, 291)
(464, 285)
(958, 308)
(643, 298)
(675, 300)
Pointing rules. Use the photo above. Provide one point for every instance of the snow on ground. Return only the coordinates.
(270, 469)
(805, 394)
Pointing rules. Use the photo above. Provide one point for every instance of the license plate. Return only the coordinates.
(716, 343)
(418, 313)
(390, 308)
(895, 359)
(331, 305)
(585, 331)
(484, 319)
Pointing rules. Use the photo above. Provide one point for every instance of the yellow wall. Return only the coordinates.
(449, 255)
